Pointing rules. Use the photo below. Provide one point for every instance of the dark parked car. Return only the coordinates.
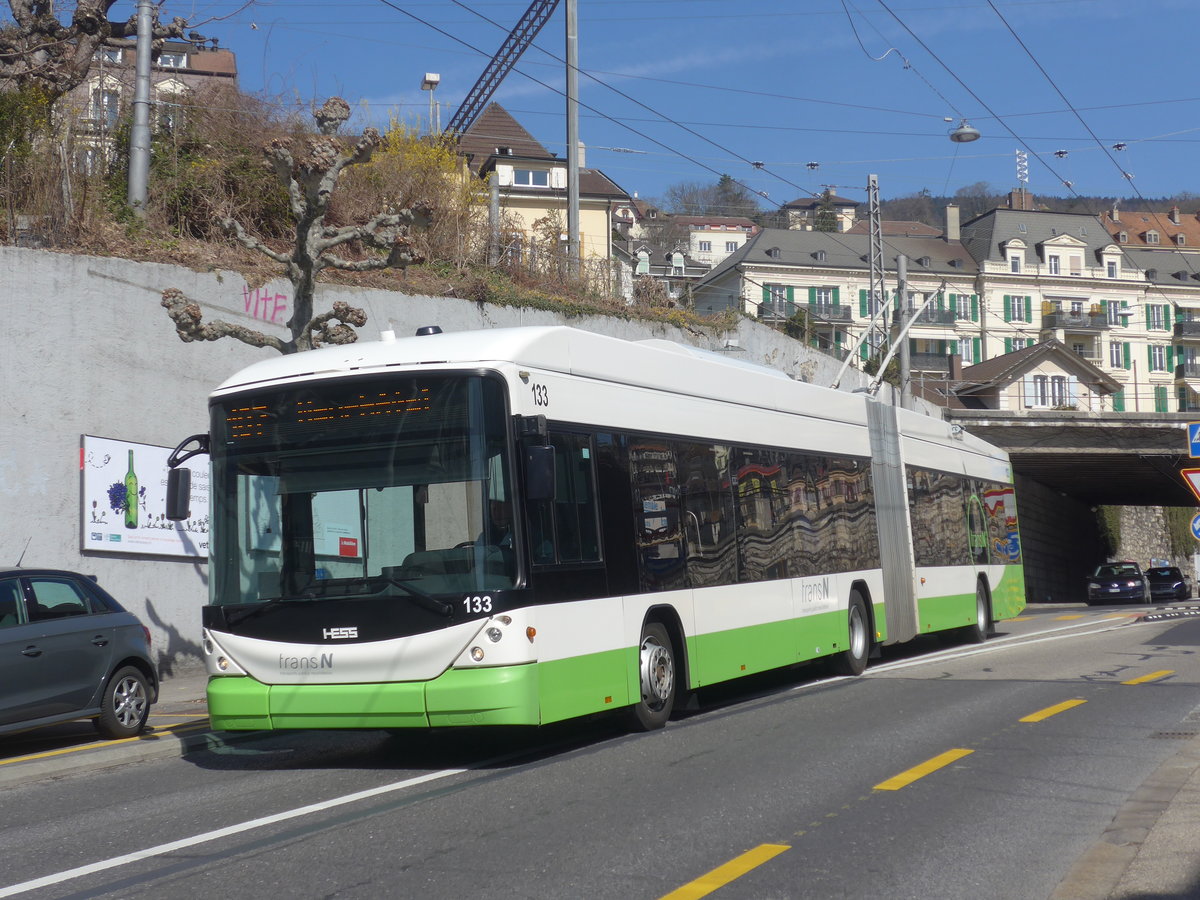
(69, 651)
(1119, 582)
(1167, 583)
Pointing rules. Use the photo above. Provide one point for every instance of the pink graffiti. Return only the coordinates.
(263, 305)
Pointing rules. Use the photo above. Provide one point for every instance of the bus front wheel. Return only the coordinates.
(977, 632)
(853, 660)
(656, 675)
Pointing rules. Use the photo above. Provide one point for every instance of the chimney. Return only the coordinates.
(952, 230)
(1116, 213)
(1020, 199)
(1175, 215)
(582, 156)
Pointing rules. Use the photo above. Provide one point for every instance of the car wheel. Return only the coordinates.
(126, 705)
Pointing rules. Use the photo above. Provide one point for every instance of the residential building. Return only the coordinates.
(803, 213)
(178, 71)
(1009, 280)
(1171, 230)
(712, 238)
(669, 264)
(533, 182)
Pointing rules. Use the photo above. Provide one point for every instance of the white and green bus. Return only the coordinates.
(520, 526)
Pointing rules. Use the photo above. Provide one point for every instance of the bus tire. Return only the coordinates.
(853, 660)
(977, 632)
(656, 677)
(125, 705)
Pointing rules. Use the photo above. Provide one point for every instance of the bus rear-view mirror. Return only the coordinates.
(179, 494)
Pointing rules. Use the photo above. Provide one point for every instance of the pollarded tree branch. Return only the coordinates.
(234, 227)
(187, 317)
(322, 332)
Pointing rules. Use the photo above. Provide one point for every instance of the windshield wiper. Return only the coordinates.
(323, 589)
(423, 599)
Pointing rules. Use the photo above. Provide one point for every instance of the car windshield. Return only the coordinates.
(1121, 570)
(1164, 573)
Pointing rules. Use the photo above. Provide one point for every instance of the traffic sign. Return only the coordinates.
(1191, 477)
(1196, 526)
(1194, 439)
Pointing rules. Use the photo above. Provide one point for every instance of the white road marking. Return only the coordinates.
(219, 833)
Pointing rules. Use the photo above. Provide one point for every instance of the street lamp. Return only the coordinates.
(964, 133)
(430, 83)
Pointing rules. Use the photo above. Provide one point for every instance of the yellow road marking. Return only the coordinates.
(1019, 619)
(732, 870)
(1118, 615)
(95, 745)
(1052, 710)
(1153, 676)
(906, 778)
(1068, 618)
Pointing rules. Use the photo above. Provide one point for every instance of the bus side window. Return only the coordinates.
(565, 530)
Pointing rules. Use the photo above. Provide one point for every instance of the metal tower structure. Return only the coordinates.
(501, 64)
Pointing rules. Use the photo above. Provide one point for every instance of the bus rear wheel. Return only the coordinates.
(853, 660)
(977, 632)
(656, 675)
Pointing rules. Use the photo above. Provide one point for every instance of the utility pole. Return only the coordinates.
(139, 138)
(573, 137)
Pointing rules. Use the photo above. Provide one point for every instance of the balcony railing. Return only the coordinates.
(1075, 321)
(929, 362)
(930, 316)
(1187, 329)
(1190, 371)
(828, 312)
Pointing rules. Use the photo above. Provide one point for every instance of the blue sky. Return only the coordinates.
(855, 87)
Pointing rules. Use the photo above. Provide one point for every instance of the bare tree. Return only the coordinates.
(310, 180)
(39, 50)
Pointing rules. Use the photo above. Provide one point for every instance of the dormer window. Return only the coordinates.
(1053, 264)
(1111, 269)
(1014, 264)
(774, 253)
(1181, 240)
(819, 256)
(1151, 274)
(531, 178)
(956, 263)
(1021, 227)
(1123, 237)
(1151, 237)
(173, 60)
(924, 261)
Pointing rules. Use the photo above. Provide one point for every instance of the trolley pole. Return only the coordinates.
(903, 313)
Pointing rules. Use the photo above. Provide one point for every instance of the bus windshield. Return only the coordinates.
(395, 486)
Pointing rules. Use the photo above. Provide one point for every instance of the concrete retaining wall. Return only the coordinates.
(87, 349)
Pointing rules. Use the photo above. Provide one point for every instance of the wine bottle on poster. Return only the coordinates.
(131, 496)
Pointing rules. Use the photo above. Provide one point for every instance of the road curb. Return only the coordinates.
(1104, 870)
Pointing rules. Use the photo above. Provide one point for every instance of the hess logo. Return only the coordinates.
(339, 634)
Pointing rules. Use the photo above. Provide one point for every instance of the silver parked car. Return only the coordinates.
(68, 650)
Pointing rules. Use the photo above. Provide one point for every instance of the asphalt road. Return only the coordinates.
(942, 773)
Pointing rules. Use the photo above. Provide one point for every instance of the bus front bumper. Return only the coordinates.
(485, 696)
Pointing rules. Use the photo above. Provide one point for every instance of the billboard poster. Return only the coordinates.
(125, 500)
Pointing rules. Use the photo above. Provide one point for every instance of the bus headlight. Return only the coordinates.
(477, 654)
(494, 634)
(222, 663)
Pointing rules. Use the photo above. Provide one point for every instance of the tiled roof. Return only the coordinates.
(821, 249)
(897, 228)
(1136, 224)
(493, 129)
(713, 221)
(815, 202)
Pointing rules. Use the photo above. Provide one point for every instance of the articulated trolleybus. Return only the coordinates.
(520, 526)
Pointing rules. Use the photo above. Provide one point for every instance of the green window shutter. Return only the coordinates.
(1118, 401)
(1170, 360)
(791, 294)
(766, 293)
(812, 296)
(1028, 309)
(1160, 399)
(941, 301)
(1126, 362)
(1148, 314)
(1008, 345)
(1007, 308)
(1149, 359)
(1104, 308)
(976, 349)
(837, 296)
(974, 307)
(838, 338)
(862, 302)
(862, 351)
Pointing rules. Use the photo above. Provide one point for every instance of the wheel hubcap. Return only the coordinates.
(981, 612)
(858, 633)
(658, 673)
(129, 702)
